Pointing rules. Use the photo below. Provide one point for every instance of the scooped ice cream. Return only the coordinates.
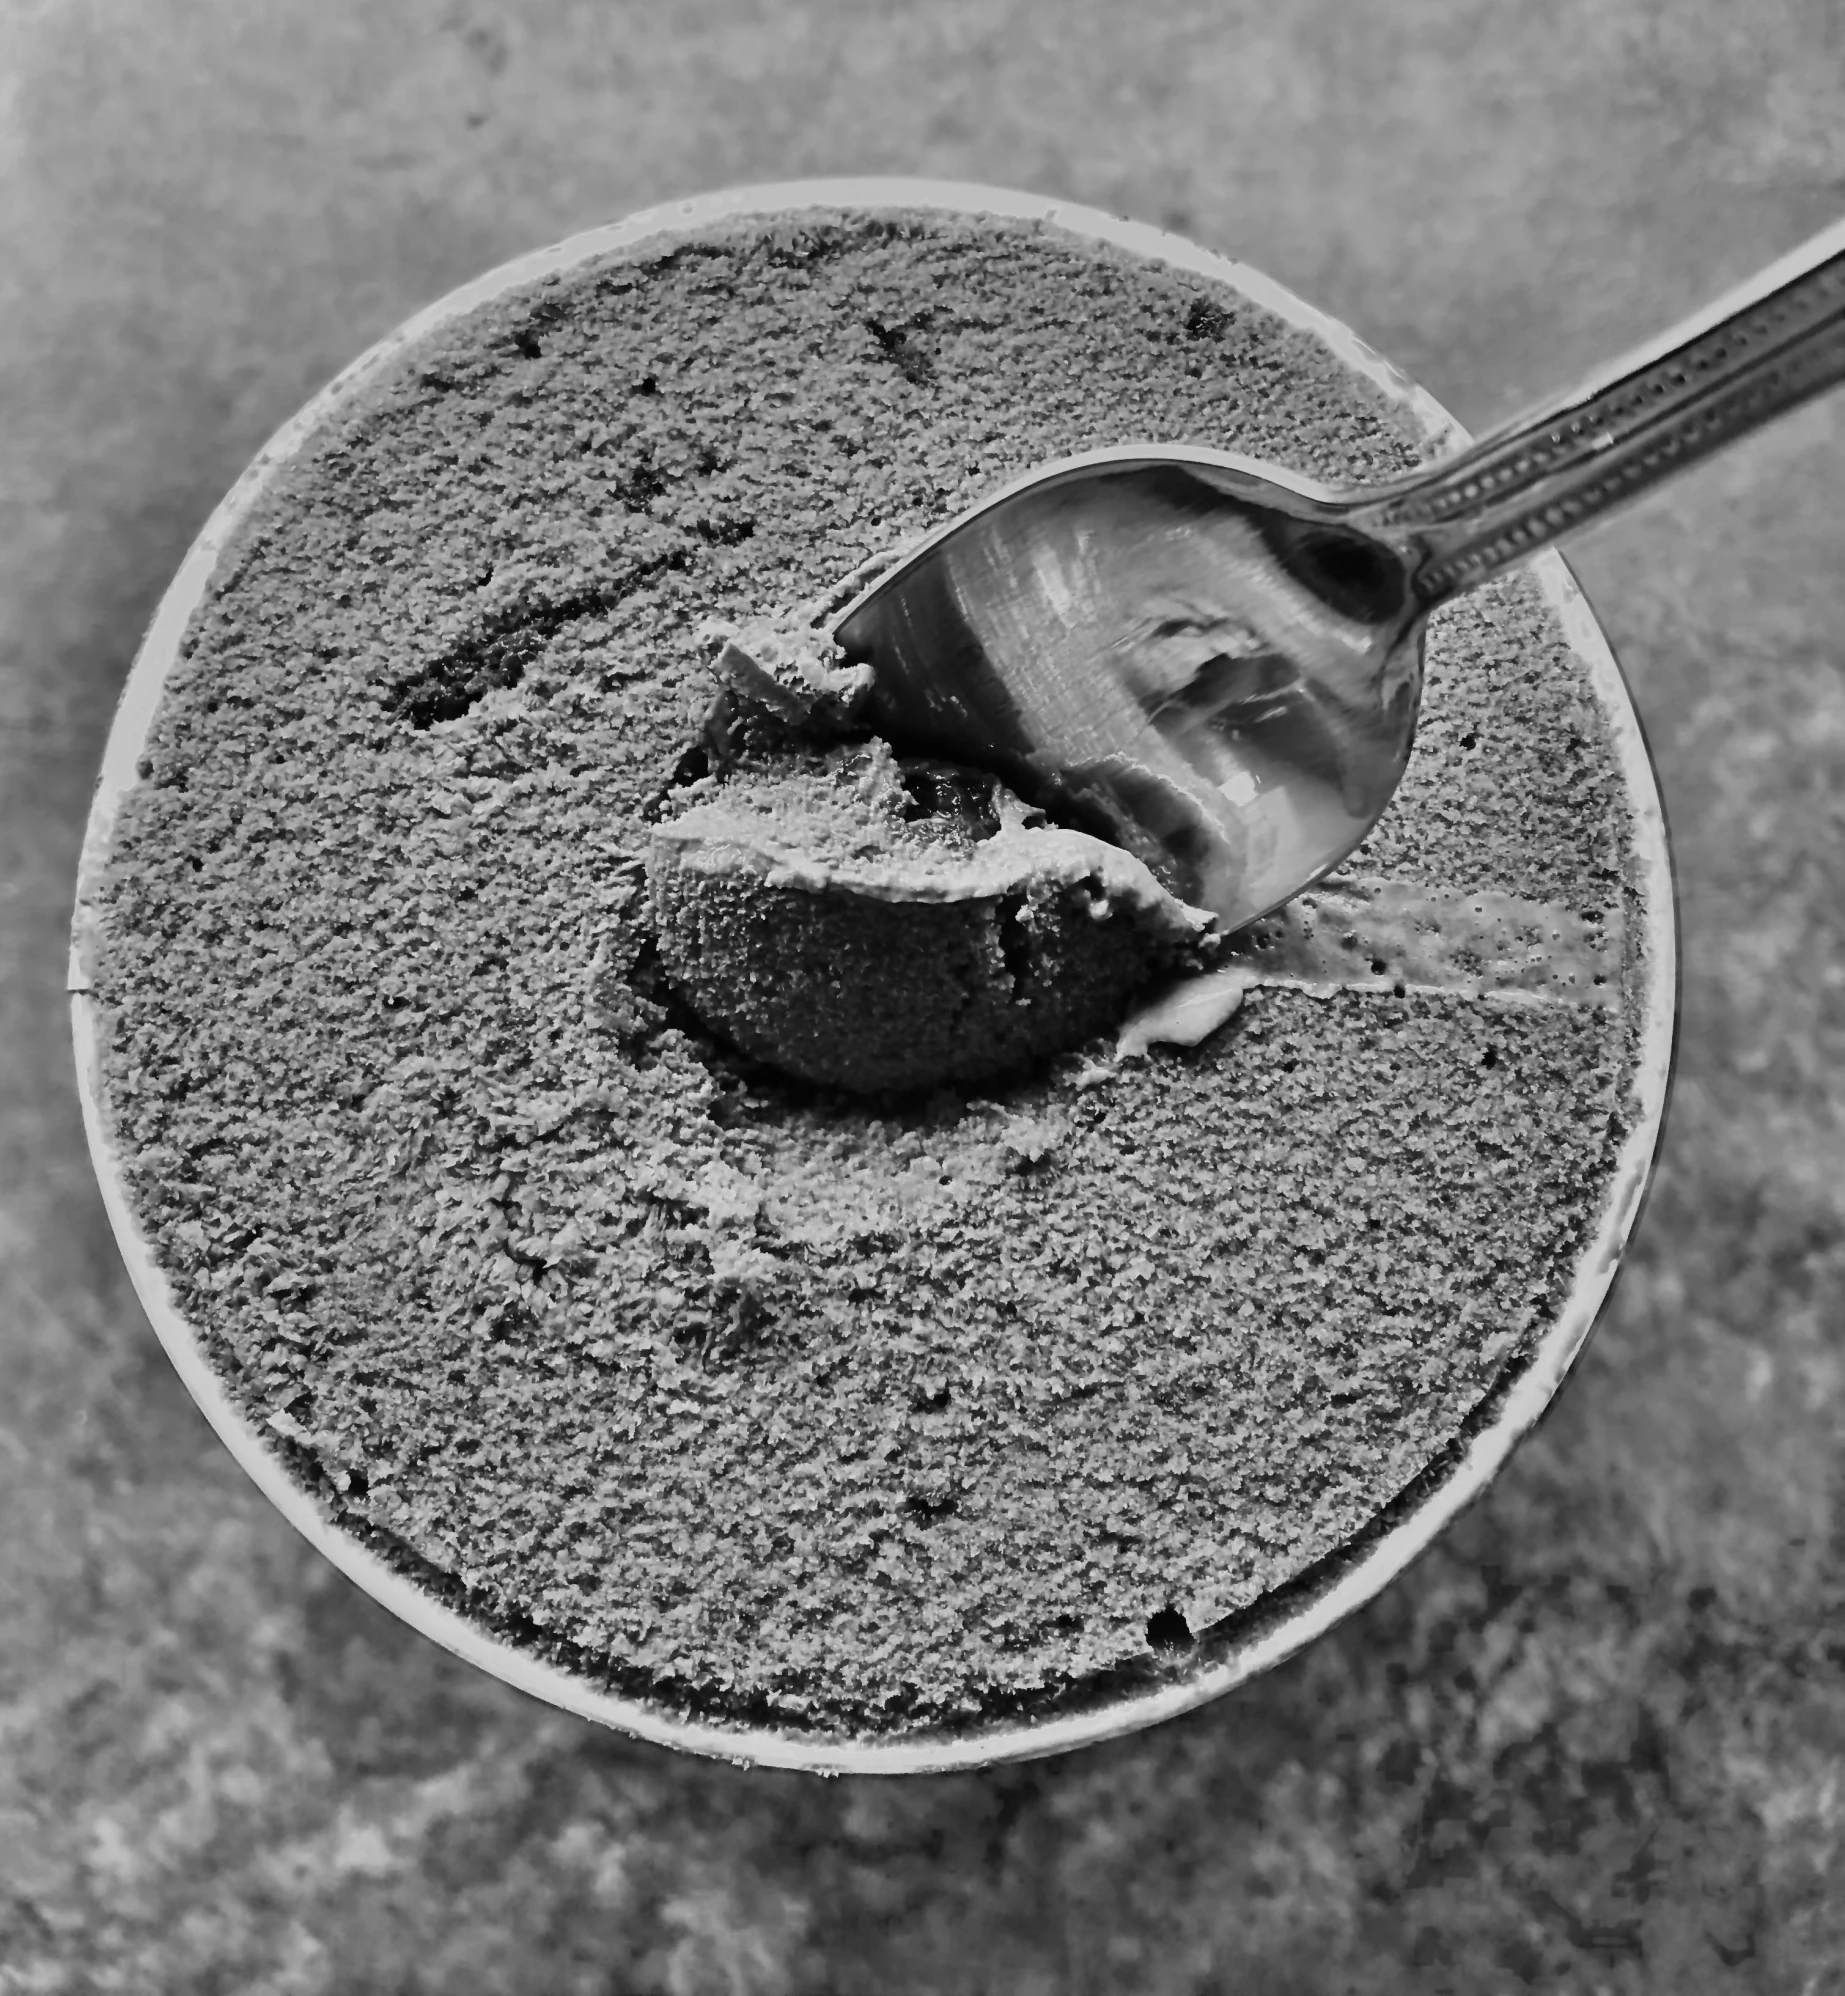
(883, 923)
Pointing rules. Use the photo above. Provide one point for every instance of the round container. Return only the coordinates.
(1279, 1623)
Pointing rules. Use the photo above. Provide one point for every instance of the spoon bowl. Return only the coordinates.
(1217, 663)
(1185, 652)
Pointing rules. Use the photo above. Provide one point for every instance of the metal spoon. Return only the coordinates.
(1218, 664)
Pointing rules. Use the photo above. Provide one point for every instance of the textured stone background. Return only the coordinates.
(1596, 1741)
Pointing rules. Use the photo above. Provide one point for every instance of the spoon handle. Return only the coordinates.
(1770, 344)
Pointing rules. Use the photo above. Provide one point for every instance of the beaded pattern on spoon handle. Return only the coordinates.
(1569, 462)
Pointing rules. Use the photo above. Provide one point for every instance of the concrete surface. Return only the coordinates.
(1597, 1740)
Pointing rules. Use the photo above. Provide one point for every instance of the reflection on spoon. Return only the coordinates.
(1214, 686)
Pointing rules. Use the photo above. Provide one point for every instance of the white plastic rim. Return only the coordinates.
(1273, 1629)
